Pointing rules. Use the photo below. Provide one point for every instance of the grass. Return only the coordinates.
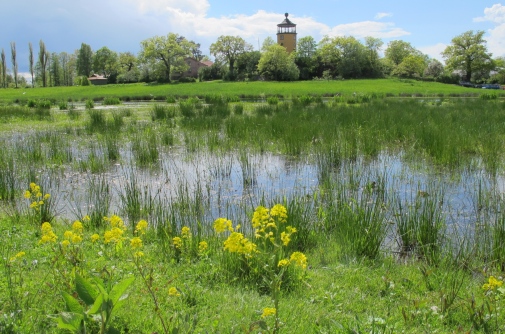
(251, 90)
(395, 202)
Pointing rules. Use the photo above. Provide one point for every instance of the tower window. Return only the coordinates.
(282, 37)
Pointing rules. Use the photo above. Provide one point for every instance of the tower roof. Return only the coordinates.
(286, 22)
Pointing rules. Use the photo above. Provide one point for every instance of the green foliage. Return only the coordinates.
(111, 101)
(277, 64)
(90, 104)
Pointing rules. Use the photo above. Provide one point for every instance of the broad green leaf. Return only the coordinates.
(72, 303)
(85, 290)
(119, 289)
(97, 305)
(70, 321)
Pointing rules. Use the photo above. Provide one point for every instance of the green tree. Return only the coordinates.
(84, 60)
(55, 71)
(397, 50)
(228, 49)
(343, 56)
(277, 64)
(434, 69)
(4, 68)
(412, 66)
(166, 53)
(267, 42)
(14, 63)
(43, 62)
(306, 47)
(106, 63)
(68, 64)
(468, 53)
(247, 64)
(31, 61)
(373, 46)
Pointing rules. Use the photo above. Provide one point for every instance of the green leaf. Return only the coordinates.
(112, 330)
(97, 305)
(119, 289)
(85, 290)
(70, 321)
(72, 303)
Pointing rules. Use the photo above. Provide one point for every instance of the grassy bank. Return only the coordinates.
(390, 87)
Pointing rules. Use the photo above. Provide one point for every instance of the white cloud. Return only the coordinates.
(434, 51)
(382, 15)
(496, 36)
(495, 14)
(369, 28)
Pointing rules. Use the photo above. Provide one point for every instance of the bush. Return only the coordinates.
(31, 103)
(187, 79)
(90, 104)
(82, 81)
(63, 105)
(111, 101)
(44, 104)
(272, 100)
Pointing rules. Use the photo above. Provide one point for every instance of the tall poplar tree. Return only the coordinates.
(84, 60)
(14, 63)
(4, 68)
(43, 59)
(30, 60)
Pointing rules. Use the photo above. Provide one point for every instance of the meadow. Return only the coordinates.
(252, 208)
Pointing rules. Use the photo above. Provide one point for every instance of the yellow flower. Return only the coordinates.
(34, 205)
(116, 221)
(138, 254)
(222, 224)
(65, 243)
(268, 311)
(68, 235)
(260, 217)
(285, 238)
(237, 243)
(135, 243)
(46, 196)
(86, 218)
(279, 212)
(141, 227)
(17, 256)
(77, 227)
(114, 235)
(492, 284)
(177, 242)
(95, 237)
(173, 292)
(185, 232)
(299, 259)
(283, 263)
(47, 234)
(202, 247)
(27, 194)
(76, 239)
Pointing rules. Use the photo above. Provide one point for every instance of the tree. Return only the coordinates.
(267, 42)
(68, 64)
(30, 61)
(397, 51)
(4, 68)
(373, 46)
(434, 69)
(127, 61)
(84, 60)
(195, 51)
(277, 64)
(55, 71)
(106, 62)
(247, 64)
(468, 53)
(412, 66)
(343, 56)
(306, 47)
(43, 59)
(229, 48)
(166, 52)
(14, 63)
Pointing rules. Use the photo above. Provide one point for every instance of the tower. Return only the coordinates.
(286, 34)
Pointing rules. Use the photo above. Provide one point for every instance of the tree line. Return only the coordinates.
(340, 57)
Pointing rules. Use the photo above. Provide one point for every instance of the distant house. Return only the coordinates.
(96, 79)
(194, 66)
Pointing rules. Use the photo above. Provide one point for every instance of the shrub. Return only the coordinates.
(171, 99)
(111, 101)
(63, 105)
(90, 104)
(272, 100)
(31, 103)
(238, 109)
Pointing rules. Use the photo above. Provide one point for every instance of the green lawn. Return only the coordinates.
(392, 87)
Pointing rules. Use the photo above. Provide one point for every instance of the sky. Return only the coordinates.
(121, 25)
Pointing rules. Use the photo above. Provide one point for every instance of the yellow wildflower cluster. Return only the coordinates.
(267, 224)
(268, 311)
(115, 234)
(185, 232)
(17, 256)
(299, 259)
(222, 224)
(141, 227)
(492, 284)
(136, 243)
(48, 235)
(177, 242)
(202, 247)
(36, 197)
(237, 243)
(74, 236)
(94, 238)
(173, 292)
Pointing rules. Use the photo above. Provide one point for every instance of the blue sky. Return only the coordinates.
(122, 24)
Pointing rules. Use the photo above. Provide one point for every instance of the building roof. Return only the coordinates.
(286, 22)
(207, 62)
